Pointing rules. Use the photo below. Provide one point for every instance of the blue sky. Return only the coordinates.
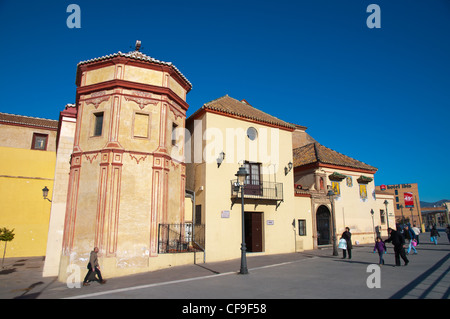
(381, 95)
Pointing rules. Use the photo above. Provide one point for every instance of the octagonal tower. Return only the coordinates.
(127, 173)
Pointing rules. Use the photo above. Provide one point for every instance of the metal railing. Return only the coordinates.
(180, 238)
(262, 190)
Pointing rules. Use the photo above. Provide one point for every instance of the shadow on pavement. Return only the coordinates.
(413, 284)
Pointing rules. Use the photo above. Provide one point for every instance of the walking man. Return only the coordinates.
(93, 266)
(410, 235)
(399, 246)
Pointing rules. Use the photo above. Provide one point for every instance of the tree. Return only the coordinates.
(6, 235)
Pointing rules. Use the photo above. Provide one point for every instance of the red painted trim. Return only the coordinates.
(344, 168)
(116, 83)
(114, 208)
(101, 203)
(154, 213)
(71, 210)
(302, 195)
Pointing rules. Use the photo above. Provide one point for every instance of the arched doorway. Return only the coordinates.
(323, 222)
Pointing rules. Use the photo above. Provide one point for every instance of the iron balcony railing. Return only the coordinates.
(180, 238)
(261, 190)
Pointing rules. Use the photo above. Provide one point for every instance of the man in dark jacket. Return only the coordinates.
(396, 238)
(93, 267)
(348, 238)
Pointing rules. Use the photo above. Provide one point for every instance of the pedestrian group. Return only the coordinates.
(404, 237)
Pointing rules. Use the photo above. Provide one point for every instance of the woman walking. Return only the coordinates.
(348, 238)
(434, 235)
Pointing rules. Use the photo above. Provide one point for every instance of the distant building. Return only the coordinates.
(436, 216)
(406, 202)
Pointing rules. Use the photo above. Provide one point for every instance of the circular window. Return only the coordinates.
(252, 133)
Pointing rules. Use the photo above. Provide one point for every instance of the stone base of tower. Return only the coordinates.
(75, 270)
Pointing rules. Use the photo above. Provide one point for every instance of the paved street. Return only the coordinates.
(311, 274)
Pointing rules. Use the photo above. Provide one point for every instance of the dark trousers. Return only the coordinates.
(344, 251)
(400, 252)
(90, 272)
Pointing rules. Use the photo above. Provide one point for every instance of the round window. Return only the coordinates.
(252, 133)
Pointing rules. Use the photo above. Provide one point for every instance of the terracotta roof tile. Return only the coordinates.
(28, 121)
(229, 105)
(136, 55)
(317, 153)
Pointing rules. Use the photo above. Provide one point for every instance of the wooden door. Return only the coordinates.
(254, 231)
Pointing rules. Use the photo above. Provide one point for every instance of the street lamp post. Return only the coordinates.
(241, 175)
(446, 212)
(373, 224)
(331, 196)
(387, 215)
(403, 217)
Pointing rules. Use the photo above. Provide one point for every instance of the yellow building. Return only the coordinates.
(27, 164)
(223, 135)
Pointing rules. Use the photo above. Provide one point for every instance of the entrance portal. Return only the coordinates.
(253, 232)
(323, 222)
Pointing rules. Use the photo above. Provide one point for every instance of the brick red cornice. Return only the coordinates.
(112, 84)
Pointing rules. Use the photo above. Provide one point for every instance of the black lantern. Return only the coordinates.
(241, 175)
(45, 193)
(220, 159)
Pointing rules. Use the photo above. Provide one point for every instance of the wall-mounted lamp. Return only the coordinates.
(220, 159)
(288, 168)
(45, 193)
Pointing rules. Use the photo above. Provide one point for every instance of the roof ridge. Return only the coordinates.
(30, 117)
(346, 155)
(215, 100)
(316, 152)
(270, 119)
(138, 55)
(326, 155)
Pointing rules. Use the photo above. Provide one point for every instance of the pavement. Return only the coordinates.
(312, 274)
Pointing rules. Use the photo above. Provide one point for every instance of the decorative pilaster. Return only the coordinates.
(107, 220)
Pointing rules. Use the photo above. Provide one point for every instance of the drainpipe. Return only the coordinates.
(191, 195)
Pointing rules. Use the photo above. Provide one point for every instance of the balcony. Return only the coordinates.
(263, 192)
